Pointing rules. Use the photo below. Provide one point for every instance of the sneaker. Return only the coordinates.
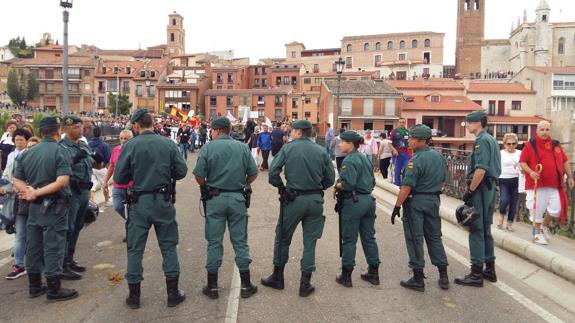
(16, 273)
(109, 203)
(545, 232)
(540, 239)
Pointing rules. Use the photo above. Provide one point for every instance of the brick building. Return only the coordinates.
(270, 103)
(312, 60)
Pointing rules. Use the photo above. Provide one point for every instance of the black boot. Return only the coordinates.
(475, 278)
(75, 266)
(68, 273)
(133, 299)
(35, 286)
(443, 281)
(345, 278)
(211, 289)
(276, 279)
(489, 272)
(372, 275)
(247, 288)
(56, 293)
(416, 282)
(175, 296)
(305, 287)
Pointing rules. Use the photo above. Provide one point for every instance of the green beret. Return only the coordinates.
(137, 115)
(420, 131)
(350, 136)
(476, 116)
(220, 123)
(50, 121)
(70, 120)
(301, 124)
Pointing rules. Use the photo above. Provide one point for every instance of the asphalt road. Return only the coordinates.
(102, 300)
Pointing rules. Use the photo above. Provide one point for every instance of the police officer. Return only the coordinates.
(355, 185)
(419, 195)
(308, 171)
(225, 182)
(151, 162)
(80, 185)
(483, 169)
(41, 176)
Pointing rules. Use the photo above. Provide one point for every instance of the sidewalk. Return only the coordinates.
(557, 257)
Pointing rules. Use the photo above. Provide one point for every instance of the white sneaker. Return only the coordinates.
(545, 232)
(109, 203)
(540, 239)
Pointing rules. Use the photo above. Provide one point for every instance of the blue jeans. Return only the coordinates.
(118, 200)
(184, 150)
(399, 163)
(509, 196)
(20, 241)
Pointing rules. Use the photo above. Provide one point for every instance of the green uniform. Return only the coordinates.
(46, 228)
(214, 165)
(485, 155)
(425, 173)
(306, 167)
(151, 161)
(358, 217)
(80, 187)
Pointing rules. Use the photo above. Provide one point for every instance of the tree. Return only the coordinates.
(124, 104)
(21, 86)
(4, 117)
(19, 48)
(32, 88)
(36, 121)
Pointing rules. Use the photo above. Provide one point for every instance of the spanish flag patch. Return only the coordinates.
(410, 165)
(477, 146)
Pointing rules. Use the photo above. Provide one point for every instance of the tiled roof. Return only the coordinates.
(122, 65)
(554, 70)
(446, 103)
(330, 74)
(216, 92)
(362, 87)
(137, 53)
(321, 50)
(492, 87)
(515, 120)
(431, 84)
(181, 85)
(57, 61)
(416, 33)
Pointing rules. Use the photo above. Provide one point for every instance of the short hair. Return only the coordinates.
(483, 122)
(49, 131)
(383, 135)
(28, 127)
(328, 124)
(341, 130)
(127, 132)
(356, 144)
(22, 133)
(34, 139)
(146, 121)
(508, 136)
(10, 122)
(278, 124)
(97, 132)
(225, 130)
(307, 132)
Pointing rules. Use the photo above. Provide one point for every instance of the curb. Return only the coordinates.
(549, 260)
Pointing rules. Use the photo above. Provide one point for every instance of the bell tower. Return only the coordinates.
(470, 36)
(176, 35)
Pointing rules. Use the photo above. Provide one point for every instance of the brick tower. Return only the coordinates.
(470, 35)
(176, 35)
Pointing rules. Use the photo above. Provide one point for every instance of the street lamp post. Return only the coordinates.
(66, 5)
(303, 97)
(118, 85)
(148, 84)
(339, 64)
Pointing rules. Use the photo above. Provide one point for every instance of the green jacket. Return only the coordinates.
(425, 171)
(82, 170)
(357, 173)
(485, 155)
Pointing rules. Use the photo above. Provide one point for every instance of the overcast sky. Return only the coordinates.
(254, 28)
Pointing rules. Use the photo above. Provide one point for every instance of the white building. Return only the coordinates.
(5, 54)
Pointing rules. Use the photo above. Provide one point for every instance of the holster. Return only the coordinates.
(247, 192)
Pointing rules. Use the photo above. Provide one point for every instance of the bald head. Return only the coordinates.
(544, 129)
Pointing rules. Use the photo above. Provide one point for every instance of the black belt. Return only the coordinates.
(348, 194)
(427, 193)
(220, 190)
(308, 192)
(161, 190)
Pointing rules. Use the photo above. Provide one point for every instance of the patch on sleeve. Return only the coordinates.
(410, 165)
(343, 167)
(477, 146)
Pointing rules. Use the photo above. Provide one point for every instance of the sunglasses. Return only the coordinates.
(511, 143)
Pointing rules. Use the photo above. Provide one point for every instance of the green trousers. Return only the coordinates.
(307, 209)
(426, 224)
(359, 218)
(46, 241)
(227, 207)
(152, 210)
(481, 246)
(76, 217)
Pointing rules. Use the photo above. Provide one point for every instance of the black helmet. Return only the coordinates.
(91, 213)
(466, 215)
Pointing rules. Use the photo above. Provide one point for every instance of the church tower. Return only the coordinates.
(542, 34)
(176, 35)
(470, 35)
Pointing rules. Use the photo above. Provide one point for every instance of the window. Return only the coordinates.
(87, 87)
(153, 73)
(103, 70)
(348, 48)
(219, 78)
(73, 87)
(101, 102)
(348, 62)
(377, 60)
(389, 107)
(172, 37)
(112, 86)
(544, 18)
(516, 105)
(101, 87)
(306, 80)
(561, 46)
(86, 73)
(49, 87)
(279, 100)
(126, 86)
(367, 107)
(368, 126)
(426, 57)
(491, 108)
(294, 80)
(401, 57)
(366, 47)
(435, 98)
(257, 83)
(116, 70)
(378, 46)
(478, 102)
(230, 78)
(128, 70)
(278, 80)
(316, 68)
(286, 80)
(317, 80)
(293, 55)
(213, 101)
(294, 116)
(402, 44)
(142, 73)
(414, 43)
(467, 6)
(278, 114)
(264, 83)
(520, 130)
(346, 107)
(307, 115)
(138, 89)
(151, 90)
(390, 45)
(174, 22)
(49, 74)
(476, 4)
(229, 101)
(264, 71)
(294, 103)
(427, 43)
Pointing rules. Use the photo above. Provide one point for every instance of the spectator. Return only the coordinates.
(339, 155)
(551, 195)
(21, 137)
(249, 130)
(29, 128)
(369, 148)
(184, 137)
(384, 154)
(253, 144)
(265, 145)
(509, 181)
(400, 149)
(279, 137)
(99, 171)
(203, 135)
(88, 128)
(328, 138)
(194, 137)
(6, 142)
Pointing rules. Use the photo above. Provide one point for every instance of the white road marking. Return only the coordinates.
(234, 298)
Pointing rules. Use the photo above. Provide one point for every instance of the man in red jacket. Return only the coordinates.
(551, 195)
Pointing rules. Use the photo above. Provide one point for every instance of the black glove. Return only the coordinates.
(467, 196)
(81, 154)
(395, 214)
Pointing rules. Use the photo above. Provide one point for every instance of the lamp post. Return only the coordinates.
(148, 84)
(118, 85)
(66, 6)
(339, 64)
(303, 97)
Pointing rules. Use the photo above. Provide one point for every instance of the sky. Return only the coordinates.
(255, 28)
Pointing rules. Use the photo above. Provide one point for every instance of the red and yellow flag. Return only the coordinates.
(179, 115)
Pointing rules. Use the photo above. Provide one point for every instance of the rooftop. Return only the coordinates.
(446, 103)
(415, 33)
(430, 84)
(362, 87)
(553, 70)
(57, 61)
(492, 87)
(515, 120)
(277, 91)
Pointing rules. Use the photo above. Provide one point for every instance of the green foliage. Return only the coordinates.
(124, 104)
(4, 117)
(33, 87)
(19, 48)
(36, 121)
(21, 86)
